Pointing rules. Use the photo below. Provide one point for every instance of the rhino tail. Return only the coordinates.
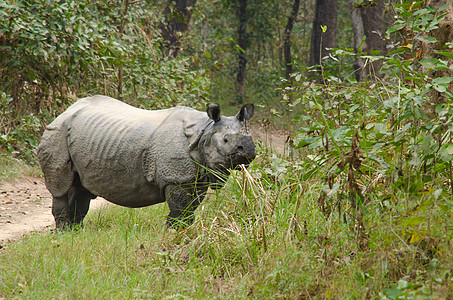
(56, 164)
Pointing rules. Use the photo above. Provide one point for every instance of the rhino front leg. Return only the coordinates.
(182, 202)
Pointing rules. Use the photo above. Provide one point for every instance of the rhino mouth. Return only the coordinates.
(239, 158)
(221, 170)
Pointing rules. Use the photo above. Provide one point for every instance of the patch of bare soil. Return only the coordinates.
(25, 206)
(25, 203)
(271, 137)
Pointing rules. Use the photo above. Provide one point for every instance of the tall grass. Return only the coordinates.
(262, 236)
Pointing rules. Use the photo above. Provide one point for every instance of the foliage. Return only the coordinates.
(19, 141)
(385, 147)
(214, 38)
(55, 51)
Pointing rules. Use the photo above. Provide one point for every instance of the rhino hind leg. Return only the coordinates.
(71, 208)
(60, 211)
(182, 202)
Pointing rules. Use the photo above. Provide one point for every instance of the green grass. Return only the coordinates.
(12, 168)
(258, 238)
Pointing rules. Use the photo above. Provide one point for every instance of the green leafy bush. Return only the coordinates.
(383, 148)
(52, 52)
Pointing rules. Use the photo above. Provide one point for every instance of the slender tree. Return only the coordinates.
(326, 13)
(374, 25)
(369, 22)
(287, 44)
(177, 17)
(121, 32)
(359, 33)
(242, 43)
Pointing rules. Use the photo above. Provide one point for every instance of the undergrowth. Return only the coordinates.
(262, 236)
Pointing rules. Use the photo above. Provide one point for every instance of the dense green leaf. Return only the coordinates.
(427, 39)
(447, 54)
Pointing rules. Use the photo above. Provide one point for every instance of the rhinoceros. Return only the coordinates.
(132, 157)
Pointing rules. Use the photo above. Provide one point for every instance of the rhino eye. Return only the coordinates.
(225, 140)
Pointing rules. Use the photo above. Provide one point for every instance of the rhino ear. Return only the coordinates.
(246, 112)
(213, 111)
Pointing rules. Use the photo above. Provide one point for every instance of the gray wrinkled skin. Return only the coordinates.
(132, 157)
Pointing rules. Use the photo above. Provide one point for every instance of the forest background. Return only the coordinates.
(363, 89)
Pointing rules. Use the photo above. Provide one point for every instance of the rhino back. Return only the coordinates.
(105, 142)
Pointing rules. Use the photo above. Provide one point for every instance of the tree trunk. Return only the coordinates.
(359, 32)
(121, 32)
(287, 46)
(242, 58)
(326, 14)
(177, 16)
(374, 25)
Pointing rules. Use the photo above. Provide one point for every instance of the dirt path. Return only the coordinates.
(271, 137)
(25, 204)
